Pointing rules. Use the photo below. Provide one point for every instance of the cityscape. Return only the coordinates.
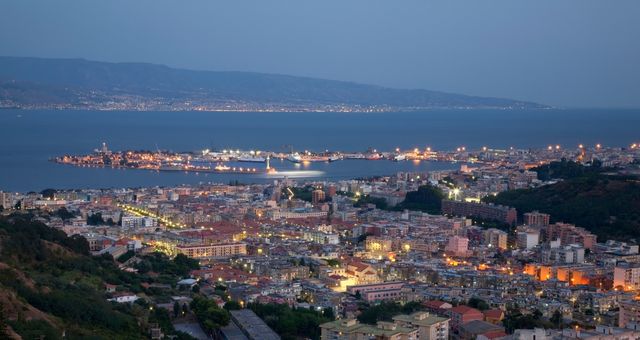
(334, 170)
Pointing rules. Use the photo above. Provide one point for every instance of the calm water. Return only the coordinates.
(28, 139)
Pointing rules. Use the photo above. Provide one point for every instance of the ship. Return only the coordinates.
(254, 159)
(314, 158)
(373, 157)
(294, 157)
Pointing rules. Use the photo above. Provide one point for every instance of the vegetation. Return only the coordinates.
(58, 286)
(96, 219)
(363, 200)
(385, 311)
(291, 323)
(427, 198)
(515, 320)
(209, 314)
(608, 206)
(304, 193)
(565, 169)
(179, 266)
(478, 303)
(52, 272)
(64, 214)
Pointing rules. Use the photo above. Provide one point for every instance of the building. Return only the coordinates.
(137, 222)
(351, 329)
(570, 234)
(213, 250)
(458, 246)
(317, 196)
(378, 245)
(252, 326)
(6, 200)
(481, 210)
(564, 255)
(494, 316)
(528, 239)
(461, 315)
(378, 291)
(626, 276)
(321, 237)
(536, 219)
(629, 313)
(532, 334)
(475, 329)
(430, 327)
(495, 238)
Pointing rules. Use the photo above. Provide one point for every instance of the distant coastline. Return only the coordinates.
(78, 84)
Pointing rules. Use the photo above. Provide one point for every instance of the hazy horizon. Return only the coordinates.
(575, 54)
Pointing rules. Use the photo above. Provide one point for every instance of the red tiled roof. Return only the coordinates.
(464, 310)
(494, 313)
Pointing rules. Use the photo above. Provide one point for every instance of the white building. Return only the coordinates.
(528, 239)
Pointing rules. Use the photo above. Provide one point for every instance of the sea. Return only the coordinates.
(30, 138)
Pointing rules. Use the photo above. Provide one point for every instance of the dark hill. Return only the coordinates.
(79, 81)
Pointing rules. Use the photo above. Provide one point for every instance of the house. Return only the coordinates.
(430, 327)
(187, 283)
(494, 316)
(437, 306)
(109, 288)
(461, 315)
(477, 328)
(124, 297)
(349, 329)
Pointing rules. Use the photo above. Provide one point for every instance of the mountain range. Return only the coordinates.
(82, 84)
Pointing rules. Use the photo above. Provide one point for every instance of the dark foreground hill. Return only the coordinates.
(79, 83)
(52, 288)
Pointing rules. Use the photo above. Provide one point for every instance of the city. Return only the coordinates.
(319, 170)
(407, 256)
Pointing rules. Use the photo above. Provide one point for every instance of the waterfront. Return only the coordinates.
(31, 138)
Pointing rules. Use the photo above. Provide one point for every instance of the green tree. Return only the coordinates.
(232, 305)
(176, 309)
(556, 319)
(209, 314)
(478, 303)
(427, 198)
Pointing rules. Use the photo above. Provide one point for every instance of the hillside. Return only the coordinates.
(78, 83)
(50, 286)
(608, 206)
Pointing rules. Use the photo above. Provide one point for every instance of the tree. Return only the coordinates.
(478, 303)
(556, 319)
(427, 198)
(176, 309)
(95, 219)
(209, 314)
(64, 214)
(232, 305)
(329, 313)
(48, 193)
(3, 325)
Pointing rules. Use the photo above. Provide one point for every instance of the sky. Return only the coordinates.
(568, 53)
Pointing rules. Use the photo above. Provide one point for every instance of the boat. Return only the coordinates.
(313, 158)
(335, 158)
(373, 157)
(221, 167)
(400, 157)
(254, 159)
(294, 157)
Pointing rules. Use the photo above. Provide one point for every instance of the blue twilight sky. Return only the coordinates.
(578, 53)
